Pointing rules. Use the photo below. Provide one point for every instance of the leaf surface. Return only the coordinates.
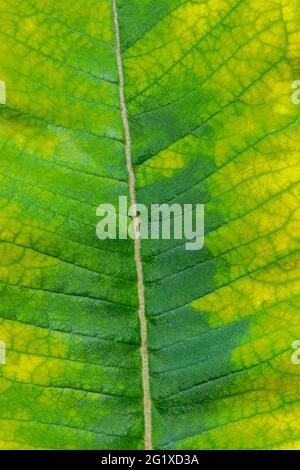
(208, 91)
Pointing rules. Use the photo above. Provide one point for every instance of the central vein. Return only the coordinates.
(137, 241)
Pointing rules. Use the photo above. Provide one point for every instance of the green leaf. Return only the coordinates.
(115, 344)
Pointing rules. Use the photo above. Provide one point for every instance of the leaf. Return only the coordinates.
(207, 87)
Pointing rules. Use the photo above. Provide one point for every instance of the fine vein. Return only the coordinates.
(137, 241)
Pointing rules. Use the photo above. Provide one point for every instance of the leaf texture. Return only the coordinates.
(207, 85)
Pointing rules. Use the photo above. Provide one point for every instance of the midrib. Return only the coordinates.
(137, 241)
